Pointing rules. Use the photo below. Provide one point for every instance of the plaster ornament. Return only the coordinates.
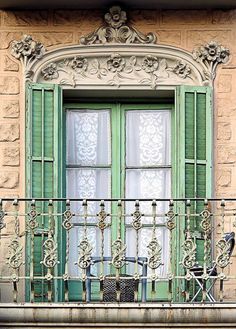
(210, 55)
(115, 30)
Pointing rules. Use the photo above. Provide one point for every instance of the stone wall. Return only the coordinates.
(184, 29)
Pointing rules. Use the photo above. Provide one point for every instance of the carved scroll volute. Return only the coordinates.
(116, 30)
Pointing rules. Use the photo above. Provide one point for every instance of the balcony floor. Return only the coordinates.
(127, 315)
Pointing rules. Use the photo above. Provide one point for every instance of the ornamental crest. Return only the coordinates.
(116, 30)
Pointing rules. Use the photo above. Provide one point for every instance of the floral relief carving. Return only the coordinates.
(117, 69)
(50, 72)
(27, 49)
(117, 31)
(210, 55)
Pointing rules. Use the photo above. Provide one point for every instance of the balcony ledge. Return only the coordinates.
(132, 315)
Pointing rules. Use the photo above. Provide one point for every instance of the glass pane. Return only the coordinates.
(149, 184)
(88, 137)
(88, 184)
(148, 138)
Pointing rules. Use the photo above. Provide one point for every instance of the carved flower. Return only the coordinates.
(116, 17)
(182, 69)
(212, 52)
(50, 72)
(150, 64)
(27, 47)
(116, 63)
(224, 55)
(79, 63)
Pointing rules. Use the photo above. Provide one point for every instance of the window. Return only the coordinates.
(181, 162)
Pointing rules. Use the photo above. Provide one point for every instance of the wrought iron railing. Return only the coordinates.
(117, 250)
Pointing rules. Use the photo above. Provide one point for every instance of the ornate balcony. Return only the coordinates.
(117, 250)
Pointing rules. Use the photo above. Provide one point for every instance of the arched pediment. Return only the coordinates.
(118, 66)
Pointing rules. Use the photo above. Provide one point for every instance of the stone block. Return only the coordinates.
(9, 108)
(53, 38)
(225, 107)
(169, 37)
(182, 17)
(9, 85)
(11, 156)
(9, 179)
(25, 18)
(78, 17)
(224, 178)
(195, 38)
(224, 84)
(224, 17)
(224, 131)
(9, 132)
(145, 17)
(10, 65)
(7, 37)
(226, 154)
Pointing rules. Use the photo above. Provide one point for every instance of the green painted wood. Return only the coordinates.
(195, 171)
(43, 170)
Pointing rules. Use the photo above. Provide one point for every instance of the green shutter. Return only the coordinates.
(43, 145)
(195, 113)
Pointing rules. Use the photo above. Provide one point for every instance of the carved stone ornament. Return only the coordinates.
(116, 30)
(210, 55)
(110, 61)
(117, 70)
(27, 50)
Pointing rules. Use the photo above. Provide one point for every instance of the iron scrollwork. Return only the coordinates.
(118, 248)
(189, 248)
(154, 254)
(85, 254)
(223, 259)
(67, 220)
(15, 258)
(50, 253)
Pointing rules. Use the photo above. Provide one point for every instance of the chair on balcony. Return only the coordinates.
(197, 271)
(127, 283)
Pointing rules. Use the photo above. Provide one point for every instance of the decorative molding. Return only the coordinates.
(107, 59)
(119, 66)
(115, 70)
(115, 30)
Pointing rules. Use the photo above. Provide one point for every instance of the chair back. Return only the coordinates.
(230, 239)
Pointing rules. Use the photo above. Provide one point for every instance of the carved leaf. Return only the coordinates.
(162, 72)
